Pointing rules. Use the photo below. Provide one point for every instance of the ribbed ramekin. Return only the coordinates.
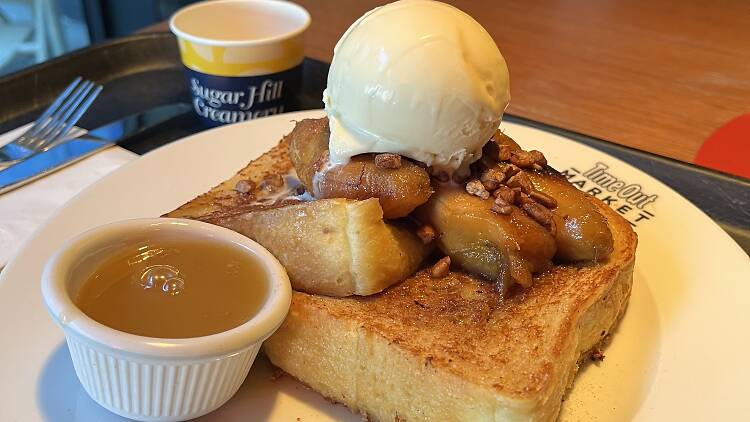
(156, 379)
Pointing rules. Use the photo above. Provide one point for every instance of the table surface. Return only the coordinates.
(144, 71)
(656, 75)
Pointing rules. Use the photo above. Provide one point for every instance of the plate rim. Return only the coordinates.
(10, 268)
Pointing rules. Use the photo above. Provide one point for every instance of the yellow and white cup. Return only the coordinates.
(243, 58)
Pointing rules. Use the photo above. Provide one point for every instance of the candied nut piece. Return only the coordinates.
(388, 161)
(494, 151)
(540, 214)
(520, 180)
(504, 153)
(538, 157)
(522, 159)
(502, 139)
(272, 182)
(543, 199)
(426, 234)
(441, 268)
(501, 206)
(508, 169)
(244, 186)
(492, 178)
(476, 188)
(507, 194)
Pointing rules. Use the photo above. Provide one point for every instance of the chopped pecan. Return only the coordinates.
(491, 152)
(501, 206)
(441, 268)
(522, 159)
(520, 180)
(538, 157)
(540, 214)
(504, 153)
(543, 199)
(476, 188)
(244, 186)
(426, 233)
(492, 178)
(507, 194)
(388, 161)
(496, 151)
(508, 169)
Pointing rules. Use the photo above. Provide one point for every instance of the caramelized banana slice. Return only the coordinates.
(582, 232)
(399, 190)
(308, 148)
(502, 248)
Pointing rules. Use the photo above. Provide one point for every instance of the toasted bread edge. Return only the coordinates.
(350, 359)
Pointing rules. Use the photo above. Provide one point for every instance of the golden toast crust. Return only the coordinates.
(223, 200)
(521, 354)
(442, 349)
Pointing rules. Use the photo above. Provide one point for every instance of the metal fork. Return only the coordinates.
(54, 123)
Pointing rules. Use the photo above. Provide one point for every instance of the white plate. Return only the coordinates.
(680, 353)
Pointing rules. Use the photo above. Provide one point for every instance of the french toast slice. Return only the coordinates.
(224, 199)
(336, 247)
(425, 349)
(452, 349)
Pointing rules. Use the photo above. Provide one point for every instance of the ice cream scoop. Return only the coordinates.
(417, 78)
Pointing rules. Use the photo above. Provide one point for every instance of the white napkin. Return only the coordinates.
(26, 208)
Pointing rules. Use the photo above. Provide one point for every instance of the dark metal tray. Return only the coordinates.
(144, 71)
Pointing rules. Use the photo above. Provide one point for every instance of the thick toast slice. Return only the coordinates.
(224, 199)
(451, 349)
(335, 247)
(425, 349)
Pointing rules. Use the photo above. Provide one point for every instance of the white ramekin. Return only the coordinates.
(156, 379)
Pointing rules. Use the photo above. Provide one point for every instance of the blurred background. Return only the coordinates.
(32, 31)
(667, 77)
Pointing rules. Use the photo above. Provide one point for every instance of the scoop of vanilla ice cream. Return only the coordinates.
(418, 78)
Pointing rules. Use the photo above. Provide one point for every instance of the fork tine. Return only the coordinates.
(58, 118)
(52, 120)
(72, 120)
(52, 107)
(55, 130)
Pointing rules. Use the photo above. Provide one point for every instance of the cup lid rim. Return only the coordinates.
(239, 43)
